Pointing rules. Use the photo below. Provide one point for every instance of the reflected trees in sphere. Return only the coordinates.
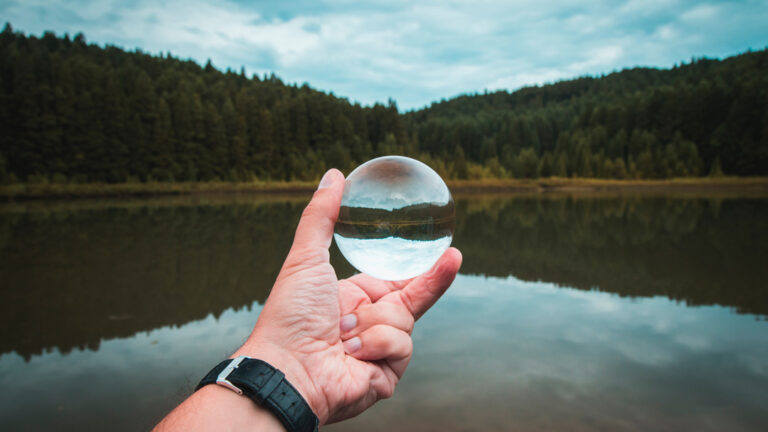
(397, 217)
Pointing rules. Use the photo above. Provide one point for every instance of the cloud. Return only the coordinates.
(415, 53)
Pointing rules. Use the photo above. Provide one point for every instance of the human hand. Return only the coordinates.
(340, 366)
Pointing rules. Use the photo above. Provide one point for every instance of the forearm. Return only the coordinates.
(215, 408)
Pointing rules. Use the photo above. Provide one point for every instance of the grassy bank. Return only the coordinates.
(559, 184)
(24, 191)
(554, 184)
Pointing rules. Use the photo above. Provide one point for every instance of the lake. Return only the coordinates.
(571, 312)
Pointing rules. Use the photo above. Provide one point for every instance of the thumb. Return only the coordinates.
(315, 230)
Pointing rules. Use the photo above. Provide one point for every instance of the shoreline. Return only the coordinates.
(51, 191)
(556, 185)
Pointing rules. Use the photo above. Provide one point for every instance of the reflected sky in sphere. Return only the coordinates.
(393, 182)
(397, 217)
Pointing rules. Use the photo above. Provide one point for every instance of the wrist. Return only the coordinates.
(242, 414)
(214, 408)
(294, 371)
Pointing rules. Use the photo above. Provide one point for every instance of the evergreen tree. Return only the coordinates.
(546, 165)
(527, 164)
(460, 170)
(716, 170)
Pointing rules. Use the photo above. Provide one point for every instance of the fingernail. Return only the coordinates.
(352, 345)
(348, 322)
(327, 180)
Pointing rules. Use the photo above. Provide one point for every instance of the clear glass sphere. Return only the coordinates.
(397, 218)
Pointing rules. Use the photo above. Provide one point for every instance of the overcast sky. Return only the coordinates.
(414, 52)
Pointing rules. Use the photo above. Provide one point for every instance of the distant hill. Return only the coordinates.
(648, 123)
(74, 112)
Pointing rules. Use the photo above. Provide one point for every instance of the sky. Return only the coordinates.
(394, 182)
(415, 52)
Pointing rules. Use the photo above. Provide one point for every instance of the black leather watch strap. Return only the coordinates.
(266, 386)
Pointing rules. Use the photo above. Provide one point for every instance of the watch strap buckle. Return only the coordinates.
(223, 378)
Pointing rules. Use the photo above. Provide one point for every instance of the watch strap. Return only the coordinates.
(266, 386)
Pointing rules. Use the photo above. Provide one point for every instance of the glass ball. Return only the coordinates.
(396, 219)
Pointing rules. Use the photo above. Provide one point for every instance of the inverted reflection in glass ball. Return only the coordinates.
(397, 218)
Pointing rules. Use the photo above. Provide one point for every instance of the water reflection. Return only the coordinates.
(76, 276)
(701, 251)
(505, 354)
(139, 298)
(495, 354)
(73, 276)
(128, 384)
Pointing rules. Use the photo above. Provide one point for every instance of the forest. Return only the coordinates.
(75, 112)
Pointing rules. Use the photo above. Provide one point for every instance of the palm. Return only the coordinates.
(319, 299)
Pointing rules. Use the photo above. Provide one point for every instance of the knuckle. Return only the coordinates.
(408, 346)
(408, 303)
(302, 257)
(387, 392)
(396, 315)
(411, 323)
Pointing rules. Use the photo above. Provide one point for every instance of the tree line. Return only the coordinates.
(71, 111)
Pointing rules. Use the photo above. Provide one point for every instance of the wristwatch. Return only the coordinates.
(266, 386)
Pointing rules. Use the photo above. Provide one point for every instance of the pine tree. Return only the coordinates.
(460, 170)
(546, 165)
(716, 170)
(527, 164)
(562, 166)
(619, 169)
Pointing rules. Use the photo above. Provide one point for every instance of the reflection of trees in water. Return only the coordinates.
(696, 250)
(71, 278)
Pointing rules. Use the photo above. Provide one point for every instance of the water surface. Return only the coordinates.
(571, 313)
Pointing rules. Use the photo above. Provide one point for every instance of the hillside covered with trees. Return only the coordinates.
(77, 112)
